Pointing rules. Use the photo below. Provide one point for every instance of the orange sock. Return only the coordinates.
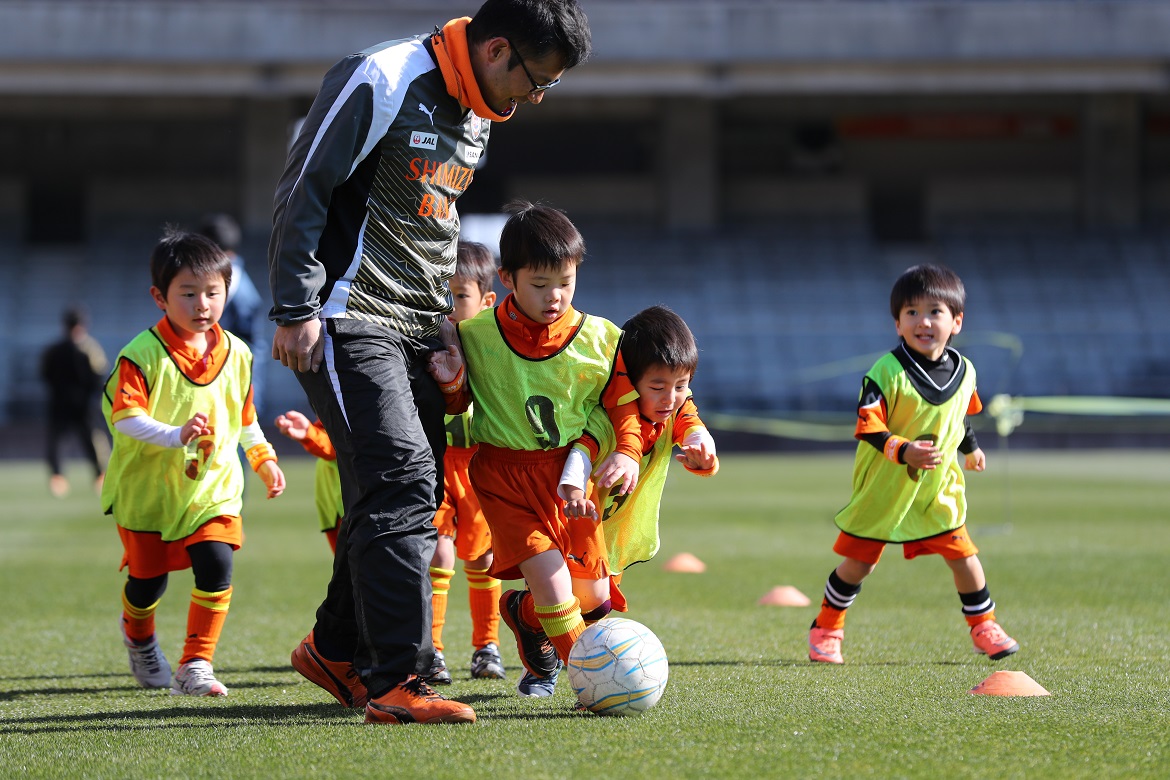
(830, 619)
(562, 625)
(483, 595)
(138, 621)
(528, 612)
(440, 588)
(974, 620)
(205, 619)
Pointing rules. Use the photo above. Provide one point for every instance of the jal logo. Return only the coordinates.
(476, 126)
(424, 140)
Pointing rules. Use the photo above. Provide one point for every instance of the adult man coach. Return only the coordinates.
(363, 242)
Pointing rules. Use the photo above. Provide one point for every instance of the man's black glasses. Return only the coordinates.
(536, 88)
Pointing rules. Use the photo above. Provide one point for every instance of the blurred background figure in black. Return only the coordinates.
(73, 368)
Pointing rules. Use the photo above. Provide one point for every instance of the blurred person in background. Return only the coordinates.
(246, 312)
(73, 369)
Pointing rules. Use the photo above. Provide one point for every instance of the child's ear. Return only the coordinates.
(489, 299)
(160, 300)
(506, 279)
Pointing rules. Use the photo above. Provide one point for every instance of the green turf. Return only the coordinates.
(1075, 547)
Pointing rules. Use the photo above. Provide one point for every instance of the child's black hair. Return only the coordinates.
(658, 337)
(178, 249)
(927, 281)
(539, 237)
(476, 263)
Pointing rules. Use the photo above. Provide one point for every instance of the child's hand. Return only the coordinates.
(922, 455)
(294, 425)
(273, 477)
(444, 365)
(576, 504)
(618, 467)
(697, 457)
(975, 461)
(194, 428)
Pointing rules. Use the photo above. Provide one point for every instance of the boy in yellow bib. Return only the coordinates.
(907, 483)
(536, 368)
(661, 357)
(179, 403)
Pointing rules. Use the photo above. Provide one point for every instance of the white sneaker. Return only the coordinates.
(196, 678)
(147, 662)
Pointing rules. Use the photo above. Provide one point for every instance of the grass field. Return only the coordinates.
(1075, 546)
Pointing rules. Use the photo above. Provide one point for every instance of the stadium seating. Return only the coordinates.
(787, 320)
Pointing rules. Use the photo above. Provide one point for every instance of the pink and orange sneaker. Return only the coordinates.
(992, 640)
(824, 646)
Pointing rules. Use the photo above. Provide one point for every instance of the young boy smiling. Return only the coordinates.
(908, 487)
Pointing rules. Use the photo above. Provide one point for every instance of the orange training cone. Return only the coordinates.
(1009, 684)
(686, 563)
(784, 596)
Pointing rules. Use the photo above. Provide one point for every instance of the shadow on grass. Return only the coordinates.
(217, 714)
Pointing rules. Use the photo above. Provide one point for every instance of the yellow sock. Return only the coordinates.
(440, 588)
(205, 619)
(562, 625)
(138, 621)
(483, 595)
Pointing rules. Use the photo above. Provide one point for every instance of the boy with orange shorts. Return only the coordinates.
(179, 403)
(908, 487)
(535, 368)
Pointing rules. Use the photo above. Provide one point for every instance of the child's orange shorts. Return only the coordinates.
(148, 556)
(518, 492)
(951, 545)
(460, 515)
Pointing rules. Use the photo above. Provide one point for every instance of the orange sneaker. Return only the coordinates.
(824, 645)
(992, 640)
(413, 701)
(337, 677)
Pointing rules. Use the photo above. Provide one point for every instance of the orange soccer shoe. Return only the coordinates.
(992, 640)
(824, 646)
(413, 701)
(337, 677)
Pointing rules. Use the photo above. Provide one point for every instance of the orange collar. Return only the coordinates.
(454, 58)
(190, 361)
(530, 338)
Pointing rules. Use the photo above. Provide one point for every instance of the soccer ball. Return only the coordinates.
(618, 667)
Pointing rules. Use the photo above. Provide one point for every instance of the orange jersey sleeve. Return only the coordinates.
(685, 420)
(318, 443)
(131, 393)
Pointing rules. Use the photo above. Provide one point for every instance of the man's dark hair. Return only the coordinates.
(537, 27)
(178, 249)
(927, 281)
(221, 229)
(476, 263)
(658, 337)
(72, 317)
(539, 237)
